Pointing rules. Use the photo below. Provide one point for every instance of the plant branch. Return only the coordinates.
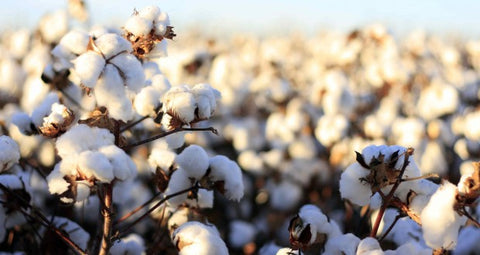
(386, 200)
(473, 220)
(126, 216)
(390, 228)
(153, 138)
(107, 220)
(405, 209)
(131, 124)
(163, 200)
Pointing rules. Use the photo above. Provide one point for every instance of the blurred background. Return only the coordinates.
(459, 18)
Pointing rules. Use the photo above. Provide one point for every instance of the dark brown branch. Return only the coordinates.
(153, 138)
(473, 220)
(390, 228)
(130, 125)
(107, 220)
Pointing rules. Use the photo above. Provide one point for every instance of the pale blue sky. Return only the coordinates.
(459, 17)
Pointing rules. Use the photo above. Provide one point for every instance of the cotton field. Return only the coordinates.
(145, 139)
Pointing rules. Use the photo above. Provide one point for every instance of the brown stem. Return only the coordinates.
(125, 229)
(386, 200)
(153, 138)
(107, 212)
(473, 220)
(390, 228)
(130, 125)
(405, 209)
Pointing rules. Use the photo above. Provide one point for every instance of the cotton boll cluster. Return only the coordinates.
(147, 101)
(88, 155)
(183, 105)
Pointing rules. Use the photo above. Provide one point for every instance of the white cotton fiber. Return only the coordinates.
(162, 158)
(147, 101)
(352, 188)
(9, 152)
(440, 223)
(178, 181)
(195, 238)
(194, 160)
(112, 44)
(149, 12)
(123, 166)
(138, 25)
(131, 69)
(95, 164)
(88, 68)
(224, 169)
(180, 102)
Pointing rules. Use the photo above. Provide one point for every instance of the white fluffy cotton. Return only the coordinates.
(224, 169)
(9, 152)
(440, 223)
(194, 160)
(195, 238)
(88, 67)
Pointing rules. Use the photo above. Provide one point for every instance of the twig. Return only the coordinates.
(126, 216)
(405, 209)
(430, 175)
(473, 220)
(390, 228)
(387, 199)
(153, 138)
(125, 229)
(107, 220)
(131, 124)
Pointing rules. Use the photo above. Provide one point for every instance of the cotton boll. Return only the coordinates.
(112, 44)
(330, 129)
(131, 244)
(180, 103)
(194, 160)
(110, 92)
(441, 229)
(251, 162)
(82, 137)
(97, 165)
(71, 45)
(284, 195)
(224, 169)
(9, 152)
(56, 183)
(195, 238)
(88, 68)
(352, 188)
(241, 233)
(428, 105)
(123, 166)
(44, 109)
(146, 101)
(369, 246)
(161, 158)
(150, 12)
(138, 26)
(205, 97)
(53, 26)
(178, 181)
(132, 71)
(175, 140)
(343, 244)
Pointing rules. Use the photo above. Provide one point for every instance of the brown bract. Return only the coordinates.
(53, 130)
(381, 173)
(143, 45)
(99, 118)
(472, 193)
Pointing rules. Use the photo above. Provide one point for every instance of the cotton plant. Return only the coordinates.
(198, 238)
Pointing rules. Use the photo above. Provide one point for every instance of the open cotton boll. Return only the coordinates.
(441, 229)
(56, 183)
(146, 101)
(241, 233)
(161, 158)
(205, 96)
(204, 199)
(194, 160)
(111, 44)
(330, 129)
(57, 114)
(82, 137)
(180, 103)
(110, 92)
(428, 106)
(132, 71)
(70, 46)
(224, 169)
(131, 244)
(53, 26)
(123, 166)
(342, 244)
(178, 181)
(9, 152)
(88, 68)
(195, 238)
(138, 25)
(76, 233)
(95, 164)
(149, 12)
(352, 188)
(284, 195)
(369, 246)
(175, 140)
